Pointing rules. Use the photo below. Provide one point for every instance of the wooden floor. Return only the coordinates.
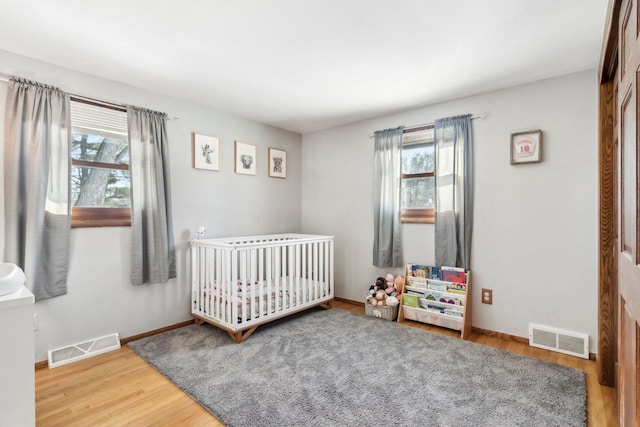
(119, 388)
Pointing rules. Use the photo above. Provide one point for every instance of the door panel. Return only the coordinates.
(628, 79)
(628, 368)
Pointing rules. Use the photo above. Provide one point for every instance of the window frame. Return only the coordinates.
(83, 217)
(417, 216)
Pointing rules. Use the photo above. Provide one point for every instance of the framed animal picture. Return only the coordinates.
(245, 158)
(206, 152)
(277, 163)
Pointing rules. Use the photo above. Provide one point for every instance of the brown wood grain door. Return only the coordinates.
(628, 101)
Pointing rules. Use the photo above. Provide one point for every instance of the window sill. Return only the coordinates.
(100, 217)
(418, 216)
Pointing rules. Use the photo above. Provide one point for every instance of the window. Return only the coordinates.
(418, 176)
(100, 182)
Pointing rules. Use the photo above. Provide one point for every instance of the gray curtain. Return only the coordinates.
(387, 241)
(153, 258)
(36, 185)
(454, 191)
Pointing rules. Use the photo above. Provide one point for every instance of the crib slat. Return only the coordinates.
(315, 270)
(203, 279)
(207, 278)
(297, 275)
(232, 285)
(327, 267)
(290, 264)
(285, 281)
(243, 285)
(252, 284)
(260, 279)
(320, 269)
(269, 276)
(195, 288)
(276, 277)
(283, 275)
(228, 289)
(213, 292)
(303, 273)
(195, 278)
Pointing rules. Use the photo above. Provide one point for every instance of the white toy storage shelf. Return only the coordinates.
(445, 303)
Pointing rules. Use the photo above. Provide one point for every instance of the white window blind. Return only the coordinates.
(427, 135)
(95, 120)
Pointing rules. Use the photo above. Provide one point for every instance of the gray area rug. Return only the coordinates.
(337, 368)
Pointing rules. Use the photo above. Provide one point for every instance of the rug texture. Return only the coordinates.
(337, 368)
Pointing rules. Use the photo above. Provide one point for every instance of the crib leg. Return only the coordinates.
(239, 337)
(327, 305)
(199, 321)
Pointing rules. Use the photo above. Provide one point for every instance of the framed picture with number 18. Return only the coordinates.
(526, 147)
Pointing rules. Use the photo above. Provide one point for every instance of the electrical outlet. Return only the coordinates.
(35, 322)
(487, 296)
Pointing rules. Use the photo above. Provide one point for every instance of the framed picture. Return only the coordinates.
(206, 152)
(245, 158)
(526, 147)
(277, 163)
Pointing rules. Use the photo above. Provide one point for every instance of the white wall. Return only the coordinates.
(535, 225)
(100, 299)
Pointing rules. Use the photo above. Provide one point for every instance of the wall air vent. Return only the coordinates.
(567, 342)
(73, 353)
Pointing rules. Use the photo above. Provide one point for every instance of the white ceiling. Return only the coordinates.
(305, 65)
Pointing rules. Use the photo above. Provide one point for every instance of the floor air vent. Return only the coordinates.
(573, 343)
(73, 353)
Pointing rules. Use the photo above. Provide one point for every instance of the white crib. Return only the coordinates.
(240, 283)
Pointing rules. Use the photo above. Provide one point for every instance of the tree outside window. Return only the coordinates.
(418, 179)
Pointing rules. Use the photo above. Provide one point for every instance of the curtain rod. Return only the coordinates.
(424, 126)
(98, 102)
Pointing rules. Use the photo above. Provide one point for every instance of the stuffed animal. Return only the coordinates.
(371, 292)
(381, 297)
(399, 284)
(391, 290)
(392, 301)
(379, 284)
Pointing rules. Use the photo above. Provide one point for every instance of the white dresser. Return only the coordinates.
(17, 378)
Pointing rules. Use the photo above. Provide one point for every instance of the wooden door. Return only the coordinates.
(628, 100)
(619, 154)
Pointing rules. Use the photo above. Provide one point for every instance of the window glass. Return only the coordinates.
(418, 158)
(97, 148)
(418, 193)
(98, 181)
(418, 181)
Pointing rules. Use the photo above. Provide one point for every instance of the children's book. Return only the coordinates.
(453, 312)
(434, 308)
(453, 276)
(432, 295)
(419, 282)
(410, 300)
(434, 286)
(445, 298)
(457, 287)
(444, 267)
(417, 270)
